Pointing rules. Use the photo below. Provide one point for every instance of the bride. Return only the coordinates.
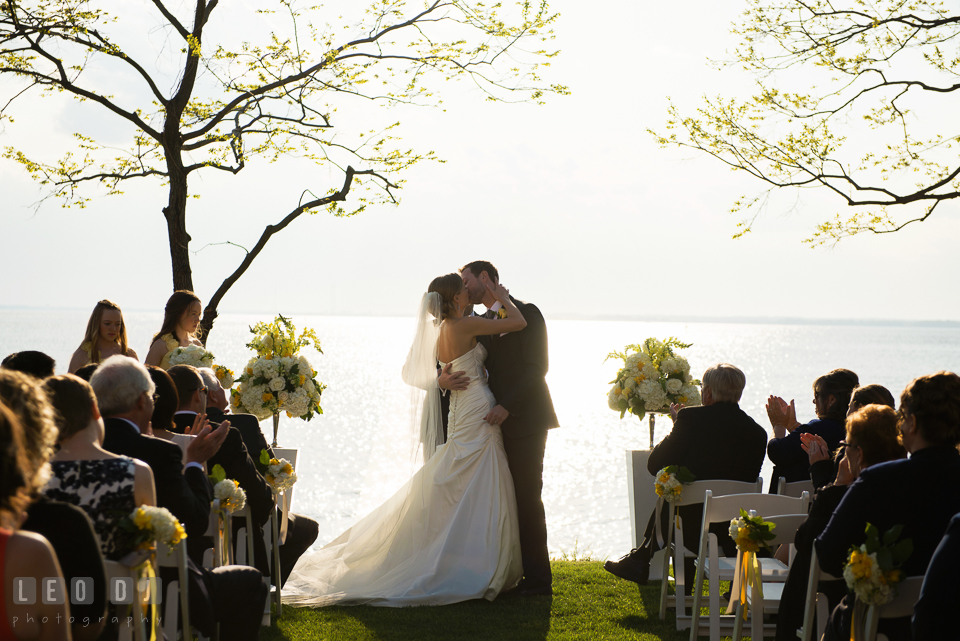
(450, 533)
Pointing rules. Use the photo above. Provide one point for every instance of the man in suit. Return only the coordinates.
(302, 531)
(517, 365)
(716, 440)
(233, 596)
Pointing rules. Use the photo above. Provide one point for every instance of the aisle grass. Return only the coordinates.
(588, 604)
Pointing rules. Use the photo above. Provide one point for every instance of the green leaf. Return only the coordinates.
(265, 457)
(885, 559)
(902, 551)
(685, 476)
(218, 473)
(891, 535)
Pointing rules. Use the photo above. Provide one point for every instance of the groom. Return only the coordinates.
(517, 364)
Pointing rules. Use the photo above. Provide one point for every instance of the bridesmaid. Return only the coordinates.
(181, 318)
(106, 335)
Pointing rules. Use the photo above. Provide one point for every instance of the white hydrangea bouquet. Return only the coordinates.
(191, 355)
(230, 495)
(225, 375)
(278, 379)
(873, 570)
(652, 377)
(278, 473)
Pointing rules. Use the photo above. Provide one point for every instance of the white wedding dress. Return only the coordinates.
(450, 534)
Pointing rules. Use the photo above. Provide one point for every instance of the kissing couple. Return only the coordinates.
(470, 522)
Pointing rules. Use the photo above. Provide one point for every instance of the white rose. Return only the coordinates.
(613, 399)
(650, 373)
(669, 366)
(277, 384)
(674, 385)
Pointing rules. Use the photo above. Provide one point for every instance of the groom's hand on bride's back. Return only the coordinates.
(452, 380)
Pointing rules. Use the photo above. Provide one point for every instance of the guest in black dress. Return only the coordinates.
(919, 493)
(871, 439)
(831, 396)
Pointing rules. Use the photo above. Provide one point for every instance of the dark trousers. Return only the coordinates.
(525, 459)
(302, 531)
(233, 596)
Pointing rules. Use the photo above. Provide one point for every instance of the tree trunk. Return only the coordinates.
(176, 214)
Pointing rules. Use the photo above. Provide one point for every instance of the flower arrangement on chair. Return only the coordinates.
(750, 533)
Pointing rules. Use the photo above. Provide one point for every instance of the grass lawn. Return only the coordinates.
(588, 604)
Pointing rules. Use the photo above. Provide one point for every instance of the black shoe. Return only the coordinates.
(632, 567)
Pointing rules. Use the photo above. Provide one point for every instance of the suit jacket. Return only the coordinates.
(237, 465)
(718, 441)
(887, 494)
(940, 592)
(517, 364)
(185, 492)
(249, 427)
(787, 455)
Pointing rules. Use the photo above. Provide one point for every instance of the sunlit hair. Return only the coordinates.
(118, 384)
(447, 286)
(187, 379)
(726, 382)
(14, 469)
(477, 267)
(840, 384)
(873, 428)
(168, 401)
(92, 334)
(934, 400)
(73, 401)
(23, 395)
(176, 307)
(872, 395)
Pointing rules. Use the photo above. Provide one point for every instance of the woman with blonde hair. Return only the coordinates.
(181, 321)
(106, 335)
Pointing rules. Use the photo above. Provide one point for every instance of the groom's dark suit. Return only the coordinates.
(517, 364)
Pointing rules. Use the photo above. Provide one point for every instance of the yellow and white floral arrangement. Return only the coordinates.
(670, 481)
(280, 475)
(278, 379)
(652, 377)
(231, 496)
(147, 524)
(225, 376)
(873, 571)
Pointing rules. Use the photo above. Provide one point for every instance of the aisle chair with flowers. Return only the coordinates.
(130, 568)
(748, 585)
(816, 606)
(714, 568)
(908, 593)
(795, 489)
(691, 494)
(281, 476)
(176, 592)
(244, 542)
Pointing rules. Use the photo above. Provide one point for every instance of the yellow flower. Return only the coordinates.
(274, 461)
(269, 357)
(639, 379)
(302, 379)
(250, 371)
(287, 469)
(267, 397)
(142, 520)
(861, 565)
(179, 533)
(745, 543)
(663, 478)
(269, 479)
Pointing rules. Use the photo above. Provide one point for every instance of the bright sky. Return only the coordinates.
(573, 201)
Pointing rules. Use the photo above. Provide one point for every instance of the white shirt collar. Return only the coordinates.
(192, 413)
(495, 307)
(135, 426)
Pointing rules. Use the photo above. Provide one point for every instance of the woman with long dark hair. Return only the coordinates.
(181, 323)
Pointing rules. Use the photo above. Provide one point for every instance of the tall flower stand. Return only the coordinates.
(276, 428)
(642, 497)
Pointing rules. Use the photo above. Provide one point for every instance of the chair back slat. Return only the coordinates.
(797, 488)
(908, 592)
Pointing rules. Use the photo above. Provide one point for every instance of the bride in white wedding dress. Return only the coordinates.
(450, 533)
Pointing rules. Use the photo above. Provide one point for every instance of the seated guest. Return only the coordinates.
(107, 486)
(831, 396)
(941, 591)
(871, 439)
(86, 371)
(106, 335)
(181, 318)
(823, 469)
(24, 554)
(66, 527)
(918, 493)
(232, 596)
(717, 440)
(36, 364)
(165, 405)
(302, 531)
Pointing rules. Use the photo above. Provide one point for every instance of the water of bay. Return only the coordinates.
(358, 453)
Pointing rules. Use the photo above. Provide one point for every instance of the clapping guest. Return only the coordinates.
(24, 554)
(107, 486)
(106, 335)
(831, 396)
(822, 468)
(36, 364)
(919, 493)
(232, 596)
(166, 403)
(871, 439)
(67, 528)
(181, 319)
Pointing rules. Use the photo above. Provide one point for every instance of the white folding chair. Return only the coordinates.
(244, 553)
(222, 551)
(675, 551)
(275, 533)
(767, 599)
(177, 592)
(795, 489)
(711, 566)
(908, 592)
(816, 605)
(131, 613)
